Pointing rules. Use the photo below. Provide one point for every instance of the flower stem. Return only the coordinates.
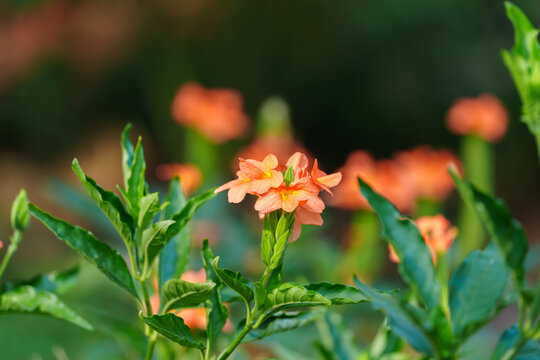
(12, 248)
(150, 350)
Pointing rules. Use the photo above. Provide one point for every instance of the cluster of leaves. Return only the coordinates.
(523, 62)
(440, 314)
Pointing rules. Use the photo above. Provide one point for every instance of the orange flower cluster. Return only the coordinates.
(189, 174)
(265, 179)
(216, 113)
(194, 318)
(410, 175)
(484, 116)
(438, 233)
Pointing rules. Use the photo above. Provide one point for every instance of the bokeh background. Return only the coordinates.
(375, 75)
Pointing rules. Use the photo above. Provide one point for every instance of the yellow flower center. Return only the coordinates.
(286, 193)
(267, 174)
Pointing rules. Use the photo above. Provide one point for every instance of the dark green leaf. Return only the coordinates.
(96, 252)
(510, 338)
(174, 257)
(234, 281)
(337, 293)
(136, 183)
(283, 322)
(506, 232)
(108, 202)
(400, 320)
(54, 282)
(177, 294)
(149, 207)
(20, 218)
(181, 219)
(416, 266)
(173, 328)
(476, 287)
(26, 299)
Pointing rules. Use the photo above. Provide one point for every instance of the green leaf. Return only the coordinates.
(108, 202)
(136, 184)
(289, 295)
(177, 294)
(173, 328)
(476, 287)
(96, 252)
(400, 319)
(288, 177)
(234, 281)
(56, 282)
(338, 294)
(26, 299)
(510, 338)
(152, 242)
(524, 66)
(127, 154)
(282, 322)
(20, 218)
(216, 312)
(180, 219)
(149, 207)
(175, 255)
(416, 266)
(505, 231)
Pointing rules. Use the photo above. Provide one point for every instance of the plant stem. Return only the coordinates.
(12, 248)
(228, 351)
(150, 349)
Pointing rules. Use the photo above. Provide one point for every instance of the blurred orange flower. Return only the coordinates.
(438, 233)
(216, 113)
(427, 170)
(189, 174)
(384, 176)
(281, 146)
(194, 318)
(300, 195)
(484, 116)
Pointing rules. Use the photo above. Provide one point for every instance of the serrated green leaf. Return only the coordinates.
(216, 312)
(96, 252)
(56, 282)
(234, 281)
(149, 207)
(20, 218)
(416, 266)
(476, 287)
(510, 338)
(289, 295)
(177, 294)
(175, 255)
(173, 328)
(26, 299)
(505, 231)
(400, 319)
(152, 241)
(338, 294)
(283, 322)
(108, 202)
